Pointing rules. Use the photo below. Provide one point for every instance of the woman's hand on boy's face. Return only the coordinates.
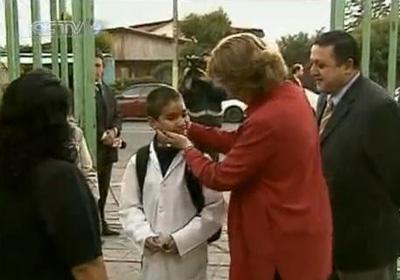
(176, 140)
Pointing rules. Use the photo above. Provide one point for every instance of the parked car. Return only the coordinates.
(132, 103)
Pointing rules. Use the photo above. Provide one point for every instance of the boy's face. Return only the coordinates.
(173, 118)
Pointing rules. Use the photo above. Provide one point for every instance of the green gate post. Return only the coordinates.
(337, 14)
(63, 43)
(77, 66)
(12, 39)
(54, 38)
(366, 37)
(392, 59)
(36, 36)
(89, 77)
(84, 78)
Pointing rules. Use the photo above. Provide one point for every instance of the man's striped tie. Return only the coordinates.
(328, 111)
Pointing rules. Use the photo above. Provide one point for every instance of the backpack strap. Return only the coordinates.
(142, 158)
(196, 194)
(195, 190)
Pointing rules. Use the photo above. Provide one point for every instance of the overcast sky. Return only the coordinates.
(275, 17)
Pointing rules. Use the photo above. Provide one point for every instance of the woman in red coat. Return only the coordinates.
(279, 213)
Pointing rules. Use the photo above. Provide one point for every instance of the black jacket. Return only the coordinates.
(361, 161)
(107, 117)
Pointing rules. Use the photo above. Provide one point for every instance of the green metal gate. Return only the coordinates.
(337, 22)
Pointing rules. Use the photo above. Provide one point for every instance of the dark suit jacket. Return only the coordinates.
(361, 162)
(107, 117)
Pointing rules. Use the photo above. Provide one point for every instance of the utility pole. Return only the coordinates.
(175, 62)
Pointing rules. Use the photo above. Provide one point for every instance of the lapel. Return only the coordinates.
(154, 159)
(176, 162)
(342, 108)
(103, 96)
(321, 106)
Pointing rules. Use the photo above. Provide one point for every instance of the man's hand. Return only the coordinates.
(109, 136)
(153, 244)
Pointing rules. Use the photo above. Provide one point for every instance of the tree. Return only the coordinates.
(103, 41)
(354, 12)
(296, 49)
(380, 30)
(205, 31)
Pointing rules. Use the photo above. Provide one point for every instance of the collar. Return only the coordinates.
(178, 159)
(337, 97)
(159, 148)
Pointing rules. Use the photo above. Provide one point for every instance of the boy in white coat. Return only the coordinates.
(161, 218)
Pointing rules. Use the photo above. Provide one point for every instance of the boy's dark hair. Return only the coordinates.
(159, 98)
(344, 46)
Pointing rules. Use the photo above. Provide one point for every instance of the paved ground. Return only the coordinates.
(122, 259)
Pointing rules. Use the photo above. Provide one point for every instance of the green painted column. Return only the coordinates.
(392, 59)
(63, 43)
(12, 39)
(337, 14)
(84, 76)
(366, 37)
(54, 38)
(77, 66)
(36, 36)
(89, 97)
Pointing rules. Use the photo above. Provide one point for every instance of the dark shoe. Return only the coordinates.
(106, 231)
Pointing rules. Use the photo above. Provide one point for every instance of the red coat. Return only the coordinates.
(279, 213)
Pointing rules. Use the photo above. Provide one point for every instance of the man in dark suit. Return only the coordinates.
(296, 74)
(359, 127)
(108, 131)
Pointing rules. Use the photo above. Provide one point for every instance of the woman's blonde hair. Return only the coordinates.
(245, 65)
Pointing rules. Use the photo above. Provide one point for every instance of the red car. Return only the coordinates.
(132, 101)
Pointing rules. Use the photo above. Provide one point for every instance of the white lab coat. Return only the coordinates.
(167, 208)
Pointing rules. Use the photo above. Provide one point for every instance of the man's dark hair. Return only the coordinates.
(344, 46)
(159, 98)
(99, 54)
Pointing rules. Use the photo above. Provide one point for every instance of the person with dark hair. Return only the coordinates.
(296, 73)
(279, 220)
(166, 212)
(49, 223)
(202, 98)
(359, 126)
(108, 141)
